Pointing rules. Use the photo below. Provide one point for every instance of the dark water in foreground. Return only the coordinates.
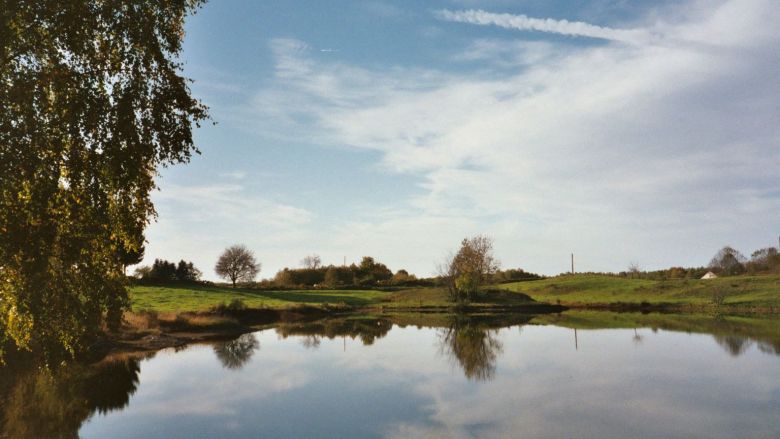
(459, 378)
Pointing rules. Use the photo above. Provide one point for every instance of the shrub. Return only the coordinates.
(235, 305)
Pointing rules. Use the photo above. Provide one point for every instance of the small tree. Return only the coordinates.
(331, 277)
(186, 271)
(370, 272)
(142, 272)
(237, 264)
(163, 271)
(471, 267)
(283, 278)
(634, 270)
(312, 262)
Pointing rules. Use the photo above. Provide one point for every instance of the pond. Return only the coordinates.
(425, 376)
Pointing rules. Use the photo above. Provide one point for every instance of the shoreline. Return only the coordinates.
(228, 325)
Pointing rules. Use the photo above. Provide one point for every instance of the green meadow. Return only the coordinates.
(202, 298)
(582, 291)
(599, 290)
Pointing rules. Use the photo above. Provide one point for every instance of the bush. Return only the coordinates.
(719, 297)
(235, 305)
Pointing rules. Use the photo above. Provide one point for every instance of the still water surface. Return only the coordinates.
(374, 378)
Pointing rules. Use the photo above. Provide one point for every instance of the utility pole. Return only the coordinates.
(572, 263)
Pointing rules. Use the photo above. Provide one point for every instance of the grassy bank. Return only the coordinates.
(202, 298)
(760, 293)
(168, 299)
(172, 315)
(179, 314)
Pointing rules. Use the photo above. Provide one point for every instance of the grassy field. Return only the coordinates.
(742, 291)
(201, 298)
(579, 290)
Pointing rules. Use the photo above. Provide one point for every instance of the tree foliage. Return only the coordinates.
(166, 271)
(468, 269)
(237, 264)
(91, 104)
(368, 274)
(514, 275)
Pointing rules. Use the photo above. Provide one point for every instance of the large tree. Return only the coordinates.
(237, 264)
(728, 261)
(92, 102)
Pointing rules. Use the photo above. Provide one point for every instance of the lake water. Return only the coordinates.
(458, 377)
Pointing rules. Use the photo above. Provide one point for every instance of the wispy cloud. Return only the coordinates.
(577, 151)
(562, 27)
(235, 175)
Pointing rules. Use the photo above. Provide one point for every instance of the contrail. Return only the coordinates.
(562, 27)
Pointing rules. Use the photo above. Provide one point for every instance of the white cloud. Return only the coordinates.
(658, 153)
(236, 175)
(653, 153)
(563, 27)
(510, 53)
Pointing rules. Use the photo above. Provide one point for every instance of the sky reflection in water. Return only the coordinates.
(455, 381)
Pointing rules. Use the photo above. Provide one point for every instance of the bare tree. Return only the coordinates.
(634, 269)
(468, 269)
(238, 264)
(448, 272)
(311, 261)
(728, 261)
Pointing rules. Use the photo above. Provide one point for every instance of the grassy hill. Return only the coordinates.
(592, 290)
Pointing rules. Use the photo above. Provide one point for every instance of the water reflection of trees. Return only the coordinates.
(768, 347)
(733, 344)
(39, 402)
(472, 345)
(236, 353)
(367, 330)
(737, 345)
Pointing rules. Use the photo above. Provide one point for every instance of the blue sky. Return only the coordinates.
(622, 131)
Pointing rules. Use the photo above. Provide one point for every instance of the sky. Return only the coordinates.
(644, 132)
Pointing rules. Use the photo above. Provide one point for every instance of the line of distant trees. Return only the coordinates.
(369, 273)
(238, 265)
(726, 262)
(730, 262)
(163, 271)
